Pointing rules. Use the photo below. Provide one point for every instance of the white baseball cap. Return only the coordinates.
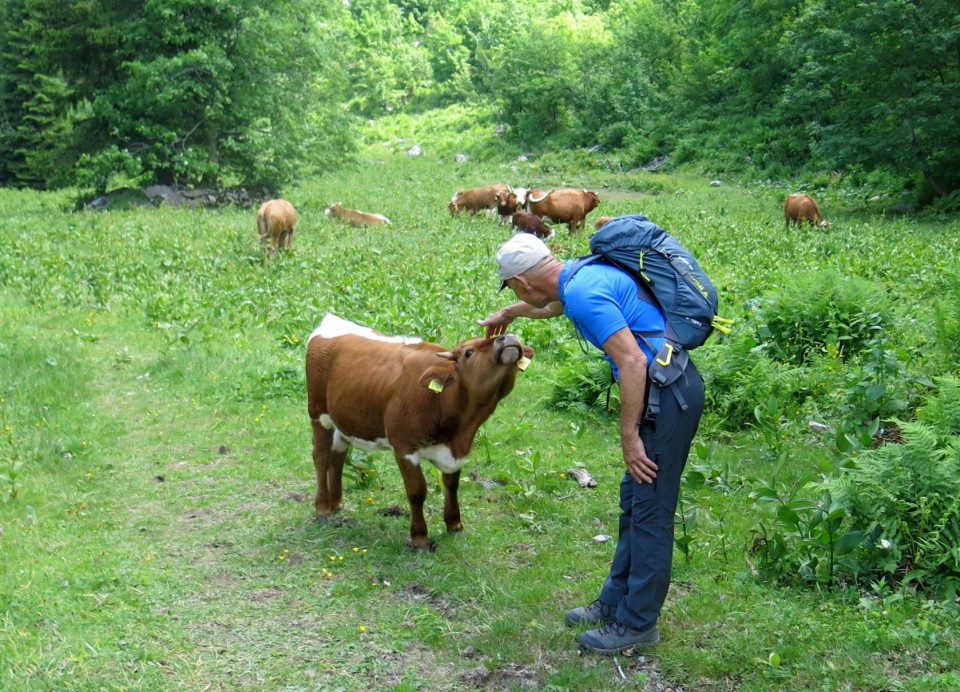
(522, 252)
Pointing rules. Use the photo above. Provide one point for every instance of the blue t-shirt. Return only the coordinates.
(600, 300)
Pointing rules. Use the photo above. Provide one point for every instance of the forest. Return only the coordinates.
(98, 93)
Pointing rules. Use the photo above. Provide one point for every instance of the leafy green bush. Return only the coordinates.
(821, 312)
(942, 410)
(946, 328)
(907, 498)
(584, 382)
(739, 377)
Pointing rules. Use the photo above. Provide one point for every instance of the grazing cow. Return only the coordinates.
(476, 198)
(423, 401)
(525, 222)
(602, 220)
(563, 206)
(799, 208)
(276, 222)
(354, 217)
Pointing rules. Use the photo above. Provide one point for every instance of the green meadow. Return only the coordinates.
(156, 482)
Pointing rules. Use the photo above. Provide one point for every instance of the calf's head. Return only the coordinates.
(485, 368)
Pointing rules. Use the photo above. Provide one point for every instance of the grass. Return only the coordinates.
(157, 530)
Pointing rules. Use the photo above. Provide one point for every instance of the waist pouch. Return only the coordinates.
(667, 367)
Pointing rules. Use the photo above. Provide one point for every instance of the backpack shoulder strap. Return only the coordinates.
(579, 263)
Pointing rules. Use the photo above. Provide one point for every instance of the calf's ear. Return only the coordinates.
(435, 379)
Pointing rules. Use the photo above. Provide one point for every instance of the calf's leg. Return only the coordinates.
(416, 487)
(451, 506)
(328, 463)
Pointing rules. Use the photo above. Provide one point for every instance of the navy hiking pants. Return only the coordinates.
(640, 573)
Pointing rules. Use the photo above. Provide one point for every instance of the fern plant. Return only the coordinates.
(907, 498)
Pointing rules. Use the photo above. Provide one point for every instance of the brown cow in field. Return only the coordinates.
(525, 222)
(423, 401)
(353, 217)
(276, 222)
(476, 199)
(563, 206)
(799, 208)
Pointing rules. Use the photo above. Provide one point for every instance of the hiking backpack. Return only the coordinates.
(666, 273)
(669, 277)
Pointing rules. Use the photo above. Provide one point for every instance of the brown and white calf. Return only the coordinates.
(419, 399)
(276, 222)
(354, 217)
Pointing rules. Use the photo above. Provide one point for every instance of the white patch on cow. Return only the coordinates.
(521, 193)
(382, 218)
(440, 456)
(456, 196)
(341, 442)
(332, 326)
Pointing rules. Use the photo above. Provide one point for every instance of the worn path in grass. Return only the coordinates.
(167, 543)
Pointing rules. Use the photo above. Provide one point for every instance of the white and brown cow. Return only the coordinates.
(423, 401)
(476, 199)
(798, 208)
(354, 217)
(567, 206)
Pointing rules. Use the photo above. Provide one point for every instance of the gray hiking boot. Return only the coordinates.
(615, 638)
(596, 613)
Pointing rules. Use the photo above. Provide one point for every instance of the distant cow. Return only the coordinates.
(276, 222)
(476, 199)
(799, 208)
(602, 220)
(423, 401)
(563, 206)
(526, 222)
(507, 205)
(354, 217)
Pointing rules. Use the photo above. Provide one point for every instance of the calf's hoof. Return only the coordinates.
(421, 545)
(325, 516)
(455, 528)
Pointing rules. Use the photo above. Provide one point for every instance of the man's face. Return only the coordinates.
(526, 292)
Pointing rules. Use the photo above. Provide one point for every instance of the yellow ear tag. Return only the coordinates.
(523, 363)
(435, 386)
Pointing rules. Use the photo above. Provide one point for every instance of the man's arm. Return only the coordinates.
(632, 366)
(497, 322)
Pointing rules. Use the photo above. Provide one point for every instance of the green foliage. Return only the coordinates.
(808, 539)
(97, 171)
(741, 376)
(942, 409)
(389, 66)
(584, 383)
(946, 322)
(820, 313)
(535, 75)
(874, 94)
(907, 498)
(195, 91)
